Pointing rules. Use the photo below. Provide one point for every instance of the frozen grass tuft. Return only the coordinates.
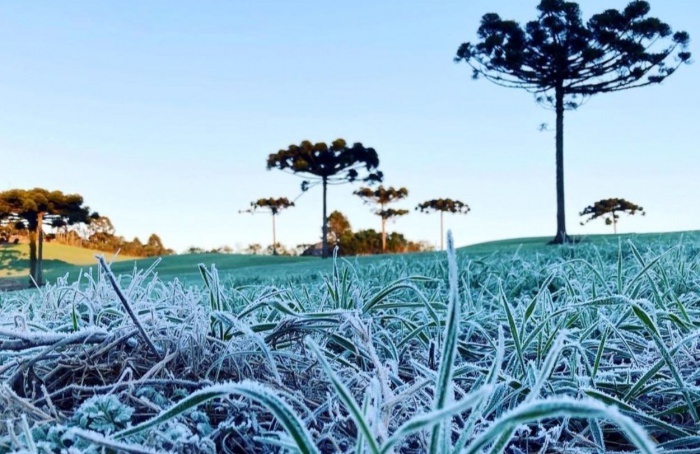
(579, 349)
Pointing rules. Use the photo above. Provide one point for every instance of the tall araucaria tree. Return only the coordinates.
(608, 209)
(563, 61)
(383, 196)
(443, 206)
(38, 207)
(273, 206)
(336, 163)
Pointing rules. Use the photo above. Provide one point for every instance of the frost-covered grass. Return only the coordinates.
(586, 348)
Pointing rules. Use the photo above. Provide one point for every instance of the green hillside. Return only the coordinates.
(58, 260)
(61, 260)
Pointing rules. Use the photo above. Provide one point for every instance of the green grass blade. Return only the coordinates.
(255, 391)
(346, 398)
(426, 420)
(665, 354)
(556, 408)
(634, 412)
(443, 389)
(599, 355)
(597, 433)
(513, 329)
(491, 379)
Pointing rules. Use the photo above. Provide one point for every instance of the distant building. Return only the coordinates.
(314, 250)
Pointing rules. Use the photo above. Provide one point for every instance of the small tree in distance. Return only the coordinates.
(443, 206)
(273, 206)
(336, 163)
(383, 196)
(563, 61)
(254, 249)
(608, 209)
(338, 224)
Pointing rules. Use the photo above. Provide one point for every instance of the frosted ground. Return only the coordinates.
(578, 349)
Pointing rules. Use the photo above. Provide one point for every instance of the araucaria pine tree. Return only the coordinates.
(608, 209)
(37, 207)
(383, 196)
(563, 61)
(336, 163)
(273, 206)
(443, 206)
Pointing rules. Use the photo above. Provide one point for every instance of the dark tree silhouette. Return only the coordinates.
(273, 206)
(383, 196)
(38, 207)
(564, 61)
(328, 164)
(443, 206)
(608, 209)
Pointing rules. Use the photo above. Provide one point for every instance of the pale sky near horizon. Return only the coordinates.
(162, 114)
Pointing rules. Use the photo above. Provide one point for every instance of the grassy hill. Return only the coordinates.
(61, 260)
(58, 260)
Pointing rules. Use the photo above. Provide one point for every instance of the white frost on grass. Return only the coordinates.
(568, 325)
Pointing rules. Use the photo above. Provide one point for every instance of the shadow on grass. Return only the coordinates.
(11, 259)
(9, 284)
(14, 265)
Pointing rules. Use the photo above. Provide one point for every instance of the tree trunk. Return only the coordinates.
(274, 236)
(32, 255)
(383, 228)
(561, 236)
(40, 259)
(324, 250)
(614, 225)
(442, 231)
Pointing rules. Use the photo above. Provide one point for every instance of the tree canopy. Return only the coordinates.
(274, 206)
(336, 163)
(391, 213)
(39, 206)
(608, 209)
(443, 206)
(563, 61)
(382, 195)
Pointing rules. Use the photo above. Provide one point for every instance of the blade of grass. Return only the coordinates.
(346, 398)
(255, 391)
(656, 336)
(443, 389)
(556, 408)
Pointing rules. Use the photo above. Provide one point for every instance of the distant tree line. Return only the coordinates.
(368, 241)
(41, 215)
(98, 235)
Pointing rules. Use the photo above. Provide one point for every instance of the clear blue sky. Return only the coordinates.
(162, 113)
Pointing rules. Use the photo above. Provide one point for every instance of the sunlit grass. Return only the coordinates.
(58, 258)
